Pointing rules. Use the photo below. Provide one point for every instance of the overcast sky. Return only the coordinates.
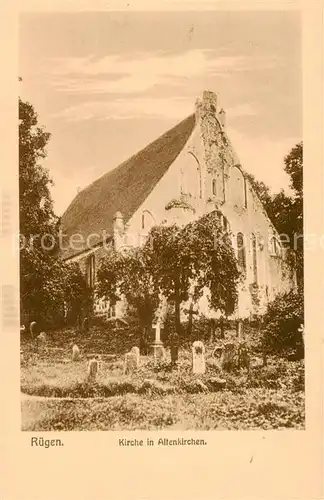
(106, 84)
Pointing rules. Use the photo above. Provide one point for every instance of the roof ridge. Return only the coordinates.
(126, 186)
(160, 137)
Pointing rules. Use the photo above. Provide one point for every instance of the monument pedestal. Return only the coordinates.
(157, 348)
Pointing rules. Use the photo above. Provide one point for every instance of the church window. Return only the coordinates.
(241, 253)
(275, 247)
(254, 259)
(112, 311)
(148, 221)
(222, 221)
(214, 187)
(225, 224)
(237, 187)
(191, 181)
(91, 271)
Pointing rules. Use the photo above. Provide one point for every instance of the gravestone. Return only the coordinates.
(157, 347)
(132, 360)
(228, 357)
(75, 353)
(41, 339)
(243, 356)
(85, 325)
(198, 357)
(216, 383)
(33, 329)
(92, 370)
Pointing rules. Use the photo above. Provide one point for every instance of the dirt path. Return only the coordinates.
(29, 397)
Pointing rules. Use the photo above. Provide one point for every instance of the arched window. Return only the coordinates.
(222, 221)
(91, 270)
(254, 258)
(225, 224)
(214, 187)
(241, 252)
(275, 247)
(148, 221)
(237, 187)
(191, 182)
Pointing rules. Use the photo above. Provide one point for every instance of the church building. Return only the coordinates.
(189, 171)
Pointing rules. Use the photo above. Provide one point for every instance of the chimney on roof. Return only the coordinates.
(208, 102)
(222, 118)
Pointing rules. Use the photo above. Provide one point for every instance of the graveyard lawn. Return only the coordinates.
(57, 396)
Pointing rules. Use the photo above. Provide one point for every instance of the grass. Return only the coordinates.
(258, 409)
(156, 397)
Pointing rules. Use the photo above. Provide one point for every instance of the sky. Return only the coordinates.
(106, 84)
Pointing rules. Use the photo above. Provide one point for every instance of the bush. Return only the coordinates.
(282, 321)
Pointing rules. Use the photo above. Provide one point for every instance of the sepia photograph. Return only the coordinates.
(161, 240)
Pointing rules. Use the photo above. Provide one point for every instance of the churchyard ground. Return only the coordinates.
(56, 394)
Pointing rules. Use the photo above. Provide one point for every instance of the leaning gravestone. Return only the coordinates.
(132, 360)
(85, 325)
(92, 370)
(41, 339)
(243, 356)
(198, 357)
(75, 353)
(33, 329)
(228, 357)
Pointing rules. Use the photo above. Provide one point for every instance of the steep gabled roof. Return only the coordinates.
(125, 188)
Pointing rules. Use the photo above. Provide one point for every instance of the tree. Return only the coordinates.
(192, 259)
(263, 192)
(177, 263)
(286, 212)
(128, 274)
(43, 275)
(282, 324)
(36, 206)
(78, 297)
(294, 213)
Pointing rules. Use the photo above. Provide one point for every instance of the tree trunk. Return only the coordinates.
(264, 359)
(190, 321)
(212, 330)
(239, 328)
(177, 318)
(222, 329)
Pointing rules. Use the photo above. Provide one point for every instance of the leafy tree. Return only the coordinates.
(282, 324)
(78, 297)
(129, 274)
(177, 263)
(43, 275)
(294, 212)
(263, 192)
(286, 212)
(36, 206)
(189, 260)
